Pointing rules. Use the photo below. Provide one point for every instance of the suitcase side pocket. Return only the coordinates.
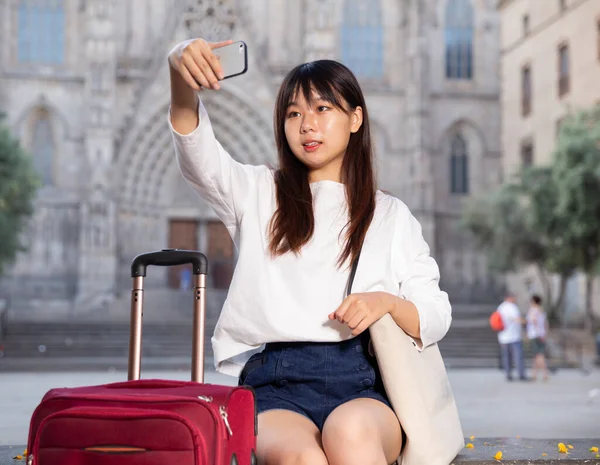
(107, 434)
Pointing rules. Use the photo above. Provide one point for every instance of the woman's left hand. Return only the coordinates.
(359, 311)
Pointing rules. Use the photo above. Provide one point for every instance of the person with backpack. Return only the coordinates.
(510, 337)
(286, 328)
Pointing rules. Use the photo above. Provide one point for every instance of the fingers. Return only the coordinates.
(354, 317)
(202, 70)
(211, 67)
(214, 45)
(355, 313)
(362, 326)
(198, 62)
(189, 79)
(343, 308)
(190, 67)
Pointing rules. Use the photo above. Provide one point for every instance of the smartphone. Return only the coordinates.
(233, 58)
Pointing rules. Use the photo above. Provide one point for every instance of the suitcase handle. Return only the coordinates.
(148, 384)
(169, 257)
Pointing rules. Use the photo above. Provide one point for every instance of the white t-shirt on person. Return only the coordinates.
(289, 297)
(511, 318)
(536, 323)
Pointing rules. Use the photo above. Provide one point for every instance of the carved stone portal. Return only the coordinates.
(213, 20)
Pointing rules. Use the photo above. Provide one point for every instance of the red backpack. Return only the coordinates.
(496, 322)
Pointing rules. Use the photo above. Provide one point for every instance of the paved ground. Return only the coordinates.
(568, 406)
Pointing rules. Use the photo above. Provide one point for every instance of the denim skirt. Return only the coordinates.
(313, 378)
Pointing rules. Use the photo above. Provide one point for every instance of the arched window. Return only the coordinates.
(459, 39)
(42, 148)
(362, 38)
(41, 33)
(459, 165)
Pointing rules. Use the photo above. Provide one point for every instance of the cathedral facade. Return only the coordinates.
(85, 88)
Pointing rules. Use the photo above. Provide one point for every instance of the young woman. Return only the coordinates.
(537, 328)
(286, 328)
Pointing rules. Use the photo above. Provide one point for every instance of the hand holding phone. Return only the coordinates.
(203, 64)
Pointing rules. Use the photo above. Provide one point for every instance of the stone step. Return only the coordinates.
(469, 343)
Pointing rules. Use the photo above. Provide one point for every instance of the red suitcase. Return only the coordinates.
(150, 422)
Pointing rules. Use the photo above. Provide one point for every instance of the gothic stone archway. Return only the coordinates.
(152, 191)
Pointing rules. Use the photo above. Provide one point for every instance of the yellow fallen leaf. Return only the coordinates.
(498, 455)
(562, 448)
(544, 454)
(593, 449)
(18, 457)
(25, 452)
(469, 446)
(472, 437)
(570, 446)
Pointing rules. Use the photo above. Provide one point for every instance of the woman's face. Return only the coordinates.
(318, 134)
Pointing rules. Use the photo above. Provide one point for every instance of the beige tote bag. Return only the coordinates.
(418, 388)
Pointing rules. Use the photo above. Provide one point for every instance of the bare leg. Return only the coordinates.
(541, 358)
(535, 367)
(362, 432)
(288, 438)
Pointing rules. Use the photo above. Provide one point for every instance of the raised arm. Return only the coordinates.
(207, 167)
(193, 66)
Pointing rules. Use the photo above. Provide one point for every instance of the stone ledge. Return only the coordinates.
(527, 451)
(515, 452)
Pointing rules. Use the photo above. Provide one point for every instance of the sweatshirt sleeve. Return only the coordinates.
(418, 276)
(222, 182)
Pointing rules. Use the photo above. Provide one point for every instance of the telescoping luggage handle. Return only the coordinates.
(168, 257)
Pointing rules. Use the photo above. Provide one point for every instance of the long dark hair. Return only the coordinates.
(293, 222)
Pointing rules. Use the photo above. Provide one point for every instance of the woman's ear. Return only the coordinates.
(357, 119)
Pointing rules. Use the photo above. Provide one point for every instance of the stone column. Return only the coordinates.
(321, 30)
(417, 120)
(97, 263)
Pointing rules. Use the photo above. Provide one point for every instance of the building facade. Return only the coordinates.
(85, 87)
(550, 65)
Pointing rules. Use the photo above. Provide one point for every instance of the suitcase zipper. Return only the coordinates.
(222, 411)
(225, 417)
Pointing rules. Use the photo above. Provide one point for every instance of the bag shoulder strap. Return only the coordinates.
(352, 274)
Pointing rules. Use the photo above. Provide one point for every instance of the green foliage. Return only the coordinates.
(576, 170)
(548, 216)
(18, 183)
(501, 222)
(539, 191)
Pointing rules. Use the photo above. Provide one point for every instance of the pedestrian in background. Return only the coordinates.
(537, 330)
(511, 338)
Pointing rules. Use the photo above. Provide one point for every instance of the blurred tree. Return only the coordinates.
(18, 183)
(539, 194)
(548, 216)
(576, 173)
(516, 226)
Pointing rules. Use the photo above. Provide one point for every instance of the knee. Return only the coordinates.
(353, 430)
(352, 441)
(309, 456)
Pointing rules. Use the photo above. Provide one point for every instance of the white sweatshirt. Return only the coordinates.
(288, 298)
